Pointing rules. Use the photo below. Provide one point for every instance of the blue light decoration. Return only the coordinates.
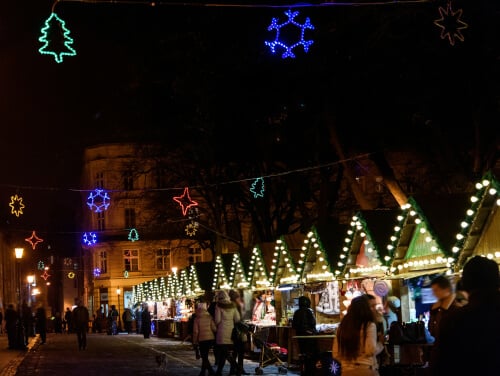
(133, 235)
(97, 272)
(56, 39)
(98, 200)
(257, 188)
(278, 27)
(89, 238)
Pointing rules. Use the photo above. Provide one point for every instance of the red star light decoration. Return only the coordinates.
(185, 201)
(451, 24)
(45, 275)
(34, 240)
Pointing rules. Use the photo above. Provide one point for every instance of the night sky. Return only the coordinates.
(168, 73)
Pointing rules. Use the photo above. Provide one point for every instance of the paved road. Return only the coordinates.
(124, 354)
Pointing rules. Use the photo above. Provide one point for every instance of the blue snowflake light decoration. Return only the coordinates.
(291, 21)
(97, 272)
(90, 238)
(257, 188)
(98, 200)
(133, 235)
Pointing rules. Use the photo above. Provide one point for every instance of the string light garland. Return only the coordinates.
(16, 205)
(54, 25)
(451, 24)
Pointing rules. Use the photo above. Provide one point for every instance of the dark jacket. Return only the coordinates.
(304, 321)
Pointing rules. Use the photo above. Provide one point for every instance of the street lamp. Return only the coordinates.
(31, 279)
(118, 292)
(19, 255)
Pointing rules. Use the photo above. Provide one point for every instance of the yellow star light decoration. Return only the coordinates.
(16, 204)
(451, 24)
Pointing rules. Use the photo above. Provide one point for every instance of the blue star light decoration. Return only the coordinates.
(258, 188)
(98, 200)
(133, 235)
(291, 21)
(89, 238)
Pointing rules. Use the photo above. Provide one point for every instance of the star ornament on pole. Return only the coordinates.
(451, 24)
(34, 240)
(185, 201)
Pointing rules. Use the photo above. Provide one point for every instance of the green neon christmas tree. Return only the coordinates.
(56, 39)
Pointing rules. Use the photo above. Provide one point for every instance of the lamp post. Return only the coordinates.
(19, 255)
(30, 279)
(118, 292)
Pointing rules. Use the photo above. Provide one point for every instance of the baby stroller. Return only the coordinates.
(267, 355)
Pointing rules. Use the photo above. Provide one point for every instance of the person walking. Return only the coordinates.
(304, 323)
(138, 319)
(241, 338)
(127, 318)
(204, 329)
(11, 321)
(113, 319)
(68, 325)
(80, 319)
(467, 343)
(27, 321)
(356, 345)
(226, 316)
(41, 323)
(146, 321)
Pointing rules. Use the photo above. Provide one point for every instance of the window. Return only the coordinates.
(195, 255)
(99, 180)
(131, 260)
(128, 180)
(100, 221)
(129, 218)
(103, 262)
(163, 259)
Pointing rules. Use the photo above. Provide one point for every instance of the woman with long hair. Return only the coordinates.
(356, 344)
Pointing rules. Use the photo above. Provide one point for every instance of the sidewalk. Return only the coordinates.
(10, 359)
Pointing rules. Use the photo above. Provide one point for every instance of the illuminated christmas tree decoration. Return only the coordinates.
(98, 200)
(185, 201)
(56, 39)
(133, 235)
(16, 205)
(71, 275)
(451, 24)
(97, 272)
(40, 265)
(89, 238)
(278, 27)
(258, 188)
(34, 240)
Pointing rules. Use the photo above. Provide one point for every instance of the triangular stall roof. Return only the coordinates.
(366, 242)
(283, 270)
(237, 276)
(425, 235)
(480, 227)
(220, 278)
(313, 264)
(257, 269)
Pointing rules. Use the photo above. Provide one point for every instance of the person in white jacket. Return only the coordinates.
(356, 344)
(204, 336)
(226, 316)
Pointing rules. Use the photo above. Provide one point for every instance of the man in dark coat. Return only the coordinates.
(146, 321)
(304, 323)
(468, 339)
(11, 322)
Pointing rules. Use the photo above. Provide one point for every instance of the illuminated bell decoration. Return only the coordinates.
(56, 39)
(71, 275)
(34, 240)
(185, 201)
(258, 188)
(98, 200)
(279, 43)
(89, 238)
(133, 235)
(16, 205)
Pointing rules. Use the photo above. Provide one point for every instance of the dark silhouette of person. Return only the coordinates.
(67, 320)
(146, 321)
(468, 339)
(80, 320)
(304, 324)
(27, 320)
(41, 323)
(11, 322)
(58, 323)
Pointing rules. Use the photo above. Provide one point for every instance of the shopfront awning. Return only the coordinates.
(417, 273)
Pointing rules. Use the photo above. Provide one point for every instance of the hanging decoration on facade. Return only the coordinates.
(89, 238)
(45, 275)
(185, 201)
(133, 235)
(97, 272)
(257, 188)
(40, 265)
(34, 240)
(68, 261)
(16, 205)
(55, 38)
(71, 275)
(451, 24)
(125, 274)
(98, 200)
(191, 228)
(281, 44)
